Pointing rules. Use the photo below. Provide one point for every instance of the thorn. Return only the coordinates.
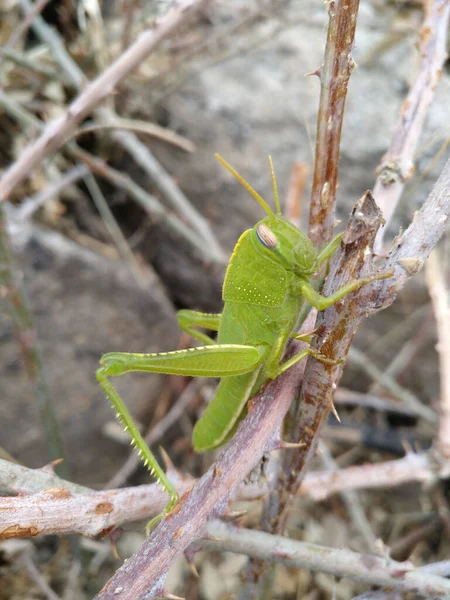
(50, 467)
(233, 515)
(170, 596)
(304, 337)
(286, 445)
(114, 537)
(278, 444)
(213, 538)
(317, 72)
(407, 447)
(334, 411)
(167, 460)
(193, 568)
(190, 561)
(114, 551)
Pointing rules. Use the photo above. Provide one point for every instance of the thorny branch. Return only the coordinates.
(341, 322)
(144, 573)
(338, 325)
(397, 167)
(64, 505)
(95, 513)
(334, 77)
(370, 569)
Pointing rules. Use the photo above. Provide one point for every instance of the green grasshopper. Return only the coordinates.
(265, 286)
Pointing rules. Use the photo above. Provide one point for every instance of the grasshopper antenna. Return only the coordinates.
(247, 186)
(274, 186)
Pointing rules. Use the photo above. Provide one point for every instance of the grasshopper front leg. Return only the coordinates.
(322, 302)
(215, 360)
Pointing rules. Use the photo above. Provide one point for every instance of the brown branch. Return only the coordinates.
(334, 77)
(396, 166)
(340, 321)
(57, 131)
(309, 412)
(144, 572)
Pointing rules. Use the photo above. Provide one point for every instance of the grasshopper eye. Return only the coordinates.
(266, 236)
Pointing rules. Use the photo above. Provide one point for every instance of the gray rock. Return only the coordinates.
(83, 306)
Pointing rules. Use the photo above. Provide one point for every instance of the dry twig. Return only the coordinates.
(369, 569)
(397, 166)
(143, 502)
(441, 304)
(94, 93)
(441, 568)
(25, 24)
(334, 77)
(151, 129)
(56, 132)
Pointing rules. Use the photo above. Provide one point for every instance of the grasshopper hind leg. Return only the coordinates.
(138, 442)
(222, 360)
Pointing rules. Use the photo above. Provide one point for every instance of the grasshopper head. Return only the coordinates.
(283, 242)
(277, 238)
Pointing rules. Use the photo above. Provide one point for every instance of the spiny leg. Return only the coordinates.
(189, 319)
(137, 440)
(208, 361)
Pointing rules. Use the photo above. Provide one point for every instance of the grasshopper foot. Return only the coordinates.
(325, 359)
(162, 515)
